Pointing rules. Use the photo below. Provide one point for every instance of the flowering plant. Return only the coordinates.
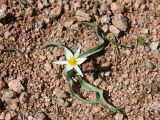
(72, 64)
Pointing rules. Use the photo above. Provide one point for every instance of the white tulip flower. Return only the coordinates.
(73, 61)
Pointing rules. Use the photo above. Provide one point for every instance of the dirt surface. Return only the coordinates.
(32, 87)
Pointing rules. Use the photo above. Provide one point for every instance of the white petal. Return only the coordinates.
(60, 62)
(78, 70)
(68, 68)
(81, 60)
(68, 53)
(77, 53)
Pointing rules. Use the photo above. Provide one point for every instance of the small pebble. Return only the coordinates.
(3, 11)
(60, 102)
(64, 94)
(30, 118)
(155, 87)
(114, 30)
(40, 116)
(13, 105)
(23, 97)
(82, 16)
(97, 82)
(2, 116)
(150, 65)
(119, 116)
(155, 45)
(47, 66)
(8, 116)
(105, 19)
(68, 24)
(40, 6)
(16, 86)
(105, 28)
(119, 21)
(7, 95)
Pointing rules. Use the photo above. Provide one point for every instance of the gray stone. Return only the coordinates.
(150, 65)
(154, 45)
(23, 97)
(7, 95)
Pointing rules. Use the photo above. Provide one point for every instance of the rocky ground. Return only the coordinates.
(32, 87)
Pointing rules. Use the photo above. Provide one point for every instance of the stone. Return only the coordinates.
(77, 5)
(29, 11)
(2, 84)
(7, 34)
(13, 113)
(23, 97)
(30, 117)
(8, 116)
(119, 116)
(68, 24)
(16, 86)
(2, 116)
(13, 105)
(114, 30)
(41, 24)
(40, 116)
(45, 3)
(47, 66)
(40, 6)
(56, 12)
(97, 82)
(150, 65)
(105, 28)
(105, 19)
(64, 94)
(7, 95)
(3, 11)
(30, 1)
(108, 73)
(60, 102)
(119, 21)
(155, 88)
(155, 45)
(117, 7)
(82, 16)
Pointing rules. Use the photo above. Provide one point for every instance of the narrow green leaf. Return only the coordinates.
(99, 94)
(53, 44)
(70, 85)
(101, 38)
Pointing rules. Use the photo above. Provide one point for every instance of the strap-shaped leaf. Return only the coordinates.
(70, 85)
(101, 38)
(53, 44)
(99, 94)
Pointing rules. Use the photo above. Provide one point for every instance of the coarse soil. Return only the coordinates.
(32, 87)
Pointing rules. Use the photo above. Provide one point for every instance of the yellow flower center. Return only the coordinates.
(72, 61)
